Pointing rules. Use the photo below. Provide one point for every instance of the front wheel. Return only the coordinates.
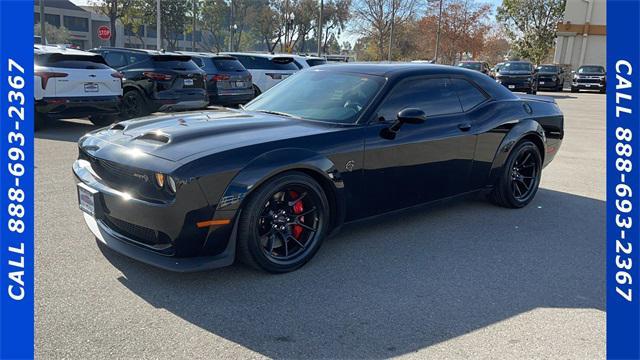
(283, 223)
(520, 177)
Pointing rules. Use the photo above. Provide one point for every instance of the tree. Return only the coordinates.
(173, 18)
(374, 19)
(134, 19)
(531, 26)
(55, 35)
(215, 20)
(114, 10)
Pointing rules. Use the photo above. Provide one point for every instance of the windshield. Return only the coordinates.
(591, 69)
(516, 67)
(320, 95)
(548, 69)
(472, 66)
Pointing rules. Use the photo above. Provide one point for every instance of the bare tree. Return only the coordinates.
(375, 18)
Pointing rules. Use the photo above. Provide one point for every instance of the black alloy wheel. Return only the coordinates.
(520, 179)
(283, 223)
(133, 105)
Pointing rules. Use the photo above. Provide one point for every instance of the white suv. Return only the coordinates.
(71, 83)
(266, 69)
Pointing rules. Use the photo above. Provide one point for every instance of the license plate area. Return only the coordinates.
(512, 86)
(91, 87)
(87, 199)
(188, 82)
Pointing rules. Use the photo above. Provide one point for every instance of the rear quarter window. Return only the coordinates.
(469, 95)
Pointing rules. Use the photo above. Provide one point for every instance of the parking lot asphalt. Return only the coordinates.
(458, 280)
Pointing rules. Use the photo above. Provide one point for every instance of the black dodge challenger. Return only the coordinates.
(267, 183)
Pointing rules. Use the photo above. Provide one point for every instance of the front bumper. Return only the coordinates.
(548, 84)
(71, 107)
(515, 85)
(159, 234)
(596, 85)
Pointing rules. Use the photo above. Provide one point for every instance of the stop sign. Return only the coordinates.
(104, 32)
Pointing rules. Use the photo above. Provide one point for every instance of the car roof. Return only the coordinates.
(471, 61)
(141, 51)
(602, 66)
(517, 62)
(56, 49)
(264, 55)
(399, 69)
(205, 54)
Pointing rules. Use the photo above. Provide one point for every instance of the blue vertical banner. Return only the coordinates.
(623, 180)
(16, 180)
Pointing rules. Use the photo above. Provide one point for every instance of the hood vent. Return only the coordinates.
(117, 126)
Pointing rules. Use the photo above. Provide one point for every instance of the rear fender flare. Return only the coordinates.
(525, 128)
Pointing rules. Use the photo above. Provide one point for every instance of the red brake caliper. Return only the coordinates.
(298, 208)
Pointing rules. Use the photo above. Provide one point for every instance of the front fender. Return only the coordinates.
(274, 162)
(524, 128)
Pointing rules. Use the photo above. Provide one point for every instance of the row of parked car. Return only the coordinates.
(524, 76)
(111, 83)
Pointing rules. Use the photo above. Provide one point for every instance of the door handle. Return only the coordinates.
(464, 126)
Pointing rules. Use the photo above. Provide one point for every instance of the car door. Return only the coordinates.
(422, 162)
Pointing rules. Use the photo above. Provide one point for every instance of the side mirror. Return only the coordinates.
(405, 116)
(411, 116)
(573, 72)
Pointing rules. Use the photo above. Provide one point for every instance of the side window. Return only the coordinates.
(433, 96)
(115, 59)
(469, 95)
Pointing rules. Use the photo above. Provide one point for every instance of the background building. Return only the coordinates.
(83, 22)
(582, 35)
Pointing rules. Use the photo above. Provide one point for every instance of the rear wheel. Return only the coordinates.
(256, 91)
(520, 177)
(133, 105)
(283, 223)
(39, 121)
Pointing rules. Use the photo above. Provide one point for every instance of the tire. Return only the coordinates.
(603, 91)
(39, 121)
(267, 238)
(518, 182)
(133, 105)
(102, 120)
(574, 90)
(256, 91)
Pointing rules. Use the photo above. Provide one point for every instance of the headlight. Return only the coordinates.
(554, 78)
(529, 78)
(172, 184)
(159, 180)
(601, 77)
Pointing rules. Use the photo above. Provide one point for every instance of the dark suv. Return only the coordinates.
(481, 66)
(550, 77)
(518, 76)
(156, 80)
(589, 77)
(228, 82)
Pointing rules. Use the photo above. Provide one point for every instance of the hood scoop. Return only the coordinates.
(155, 136)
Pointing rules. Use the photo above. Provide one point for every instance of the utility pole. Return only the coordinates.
(438, 32)
(393, 20)
(158, 27)
(43, 35)
(320, 28)
(231, 25)
(193, 31)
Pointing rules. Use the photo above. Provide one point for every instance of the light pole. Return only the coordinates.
(292, 17)
(43, 35)
(393, 20)
(320, 28)
(193, 31)
(158, 27)
(438, 32)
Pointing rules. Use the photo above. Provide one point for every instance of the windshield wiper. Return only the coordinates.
(277, 113)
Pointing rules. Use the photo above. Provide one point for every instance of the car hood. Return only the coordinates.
(177, 136)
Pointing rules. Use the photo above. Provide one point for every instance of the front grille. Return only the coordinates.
(589, 81)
